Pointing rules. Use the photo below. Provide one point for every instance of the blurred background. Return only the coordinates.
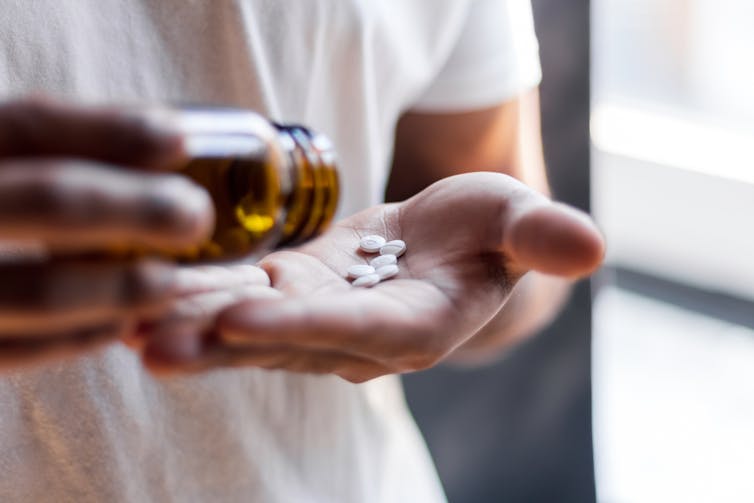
(672, 186)
(643, 390)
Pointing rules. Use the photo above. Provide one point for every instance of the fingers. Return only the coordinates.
(183, 348)
(60, 296)
(77, 205)
(299, 334)
(403, 324)
(200, 279)
(63, 306)
(44, 128)
(181, 336)
(203, 292)
(24, 350)
(201, 308)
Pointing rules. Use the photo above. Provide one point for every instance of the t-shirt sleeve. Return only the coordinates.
(495, 59)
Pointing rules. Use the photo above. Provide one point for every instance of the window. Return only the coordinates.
(673, 188)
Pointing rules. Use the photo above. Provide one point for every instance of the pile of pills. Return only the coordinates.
(380, 268)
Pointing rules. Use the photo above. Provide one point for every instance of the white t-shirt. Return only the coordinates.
(99, 428)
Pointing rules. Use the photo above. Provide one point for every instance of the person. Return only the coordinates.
(432, 104)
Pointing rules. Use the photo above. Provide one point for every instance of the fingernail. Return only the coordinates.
(162, 123)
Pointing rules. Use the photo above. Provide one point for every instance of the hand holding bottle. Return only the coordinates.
(66, 189)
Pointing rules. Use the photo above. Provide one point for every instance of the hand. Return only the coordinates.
(200, 293)
(65, 190)
(470, 238)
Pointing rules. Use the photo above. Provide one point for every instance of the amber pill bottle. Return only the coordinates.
(272, 185)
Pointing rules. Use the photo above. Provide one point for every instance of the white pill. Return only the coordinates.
(359, 270)
(367, 281)
(387, 271)
(371, 244)
(396, 247)
(383, 260)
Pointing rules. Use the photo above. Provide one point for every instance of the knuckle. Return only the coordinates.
(143, 282)
(137, 139)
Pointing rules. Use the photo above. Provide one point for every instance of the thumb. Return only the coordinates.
(500, 214)
(552, 238)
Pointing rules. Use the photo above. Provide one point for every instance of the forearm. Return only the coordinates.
(533, 304)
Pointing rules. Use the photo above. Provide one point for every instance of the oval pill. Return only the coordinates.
(383, 260)
(367, 281)
(395, 247)
(387, 271)
(359, 270)
(372, 243)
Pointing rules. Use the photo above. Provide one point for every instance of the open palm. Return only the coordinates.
(469, 237)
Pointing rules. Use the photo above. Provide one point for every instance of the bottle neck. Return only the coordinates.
(312, 203)
(298, 162)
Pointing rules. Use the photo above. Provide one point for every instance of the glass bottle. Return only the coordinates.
(272, 185)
